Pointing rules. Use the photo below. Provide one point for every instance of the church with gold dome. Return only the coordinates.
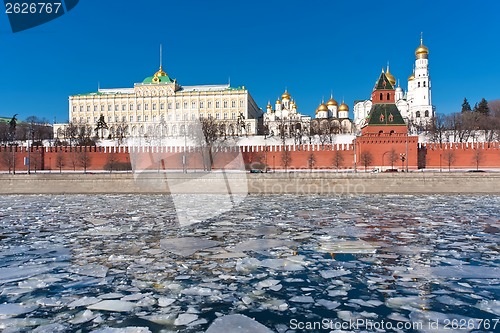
(284, 119)
(332, 118)
(414, 104)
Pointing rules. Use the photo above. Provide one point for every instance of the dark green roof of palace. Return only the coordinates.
(383, 83)
(385, 114)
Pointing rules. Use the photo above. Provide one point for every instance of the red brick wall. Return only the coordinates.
(436, 155)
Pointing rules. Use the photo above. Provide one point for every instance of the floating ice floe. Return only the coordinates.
(113, 306)
(347, 247)
(131, 329)
(186, 246)
(12, 310)
(237, 323)
(185, 318)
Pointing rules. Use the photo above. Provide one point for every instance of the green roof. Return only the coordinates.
(161, 79)
(383, 83)
(385, 114)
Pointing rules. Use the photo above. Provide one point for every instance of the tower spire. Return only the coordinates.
(161, 60)
(421, 38)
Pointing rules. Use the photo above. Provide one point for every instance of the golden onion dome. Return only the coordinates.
(411, 77)
(160, 72)
(343, 107)
(390, 77)
(322, 107)
(269, 105)
(285, 95)
(332, 102)
(422, 51)
(278, 101)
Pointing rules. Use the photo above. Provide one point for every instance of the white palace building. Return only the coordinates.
(160, 106)
(416, 104)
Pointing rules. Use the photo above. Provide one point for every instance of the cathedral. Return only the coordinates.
(285, 120)
(415, 105)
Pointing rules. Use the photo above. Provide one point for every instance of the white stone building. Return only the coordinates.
(160, 106)
(284, 118)
(415, 105)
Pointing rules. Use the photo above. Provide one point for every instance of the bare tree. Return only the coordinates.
(7, 158)
(338, 159)
(111, 162)
(450, 158)
(84, 159)
(286, 157)
(366, 159)
(60, 160)
(477, 157)
(437, 129)
(393, 157)
(206, 135)
(311, 161)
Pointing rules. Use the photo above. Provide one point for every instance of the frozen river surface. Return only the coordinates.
(282, 263)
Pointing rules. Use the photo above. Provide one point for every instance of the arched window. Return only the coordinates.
(381, 96)
(418, 84)
(426, 113)
(424, 83)
(388, 96)
(417, 114)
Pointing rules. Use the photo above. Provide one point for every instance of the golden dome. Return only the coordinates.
(160, 72)
(285, 95)
(390, 77)
(422, 51)
(343, 107)
(269, 105)
(278, 101)
(332, 102)
(411, 77)
(322, 107)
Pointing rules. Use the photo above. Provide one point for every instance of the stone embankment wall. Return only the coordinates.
(328, 183)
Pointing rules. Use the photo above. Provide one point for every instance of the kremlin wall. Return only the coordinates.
(465, 156)
(383, 139)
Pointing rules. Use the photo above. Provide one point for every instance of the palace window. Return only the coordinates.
(74, 108)
(193, 105)
(241, 104)
(225, 104)
(138, 118)
(177, 117)
(88, 108)
(201, 115)
(177, 105)
(109, 119)
(217, 115)
(233, 104)
(225, 115)
(81, 108)
(185, 105)
(124, 107)
(162, 106)
(154, 118)
(209, 104)
(124, 119)
(217, 104)
(109, 107)
(202, 105)
(162, 118)
(233, 115)
(95, 108)
(81, 119)
(131, 118)
(146, 118)
(146, 106)
(193, 116)
(185, 116)
(169, 105)
(131, 107)
(139, 107)
(209, 116)
(154, 106)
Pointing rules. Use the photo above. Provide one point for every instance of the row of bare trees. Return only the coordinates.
(33, 128)
(481, 123)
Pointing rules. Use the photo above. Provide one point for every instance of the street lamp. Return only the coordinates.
(402, 156)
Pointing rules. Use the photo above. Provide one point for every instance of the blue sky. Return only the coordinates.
(310, 47)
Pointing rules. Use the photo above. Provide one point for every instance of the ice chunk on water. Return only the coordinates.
(262, 244)
(347, 247)
(14, 309)
(334, 273)
(50, 328)
(328, 304)
(492, 306)
(93, 270)
(113, 306)
(84, 301)
(185, 318)
(467, 272)
(131, 329)
(164, 301)
(281, 264)
(237, 323)
(302, 299)
(82, 317)
(267, 283)
(186, 246)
